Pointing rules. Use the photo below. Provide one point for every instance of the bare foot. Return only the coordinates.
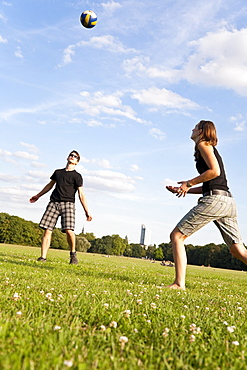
(175, 286)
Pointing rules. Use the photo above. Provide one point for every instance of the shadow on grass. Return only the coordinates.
(24, 263)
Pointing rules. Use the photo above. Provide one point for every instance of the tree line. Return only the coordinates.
(16, 230)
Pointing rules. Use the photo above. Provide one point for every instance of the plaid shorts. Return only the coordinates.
(55, 209)
(217, 208)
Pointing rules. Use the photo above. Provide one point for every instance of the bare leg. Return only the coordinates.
(71, 239)
(239, 251)
(46, 241)
(180, 259)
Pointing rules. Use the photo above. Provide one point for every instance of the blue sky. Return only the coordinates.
(125, 94)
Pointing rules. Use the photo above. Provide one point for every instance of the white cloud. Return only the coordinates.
(107, 180)
(115, 185)
(219, 59)
(157, 133)
(25, 155)
(99, 103)
(104, 163)
(38, 165)
(134, 168)
(111, 6)
(107, 42)
(37, 175)
(18, 53)
(8, 178)
(3, 40)
(239, 121)
(31, 147)
(163, 97)
(139, 65)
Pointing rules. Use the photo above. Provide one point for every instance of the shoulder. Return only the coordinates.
(204, 147)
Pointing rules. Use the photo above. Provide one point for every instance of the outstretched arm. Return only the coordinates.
(47, 188)
(83, 201)
(212, 172)
(175, 190)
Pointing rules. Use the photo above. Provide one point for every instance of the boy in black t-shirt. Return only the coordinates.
(62, 203)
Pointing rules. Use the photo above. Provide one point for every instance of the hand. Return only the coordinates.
(183, 189)
(89, 217)
(33, 199)
(172, 189)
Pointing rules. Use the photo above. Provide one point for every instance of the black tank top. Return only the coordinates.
(220, 182)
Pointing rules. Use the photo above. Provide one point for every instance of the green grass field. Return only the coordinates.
(114, 313)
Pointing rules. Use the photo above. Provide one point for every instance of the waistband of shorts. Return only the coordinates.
(218, 192)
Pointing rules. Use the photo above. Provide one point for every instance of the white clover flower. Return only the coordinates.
(68, 363)
(113, 324)
(127, 313)
(185, 306)
(235, 343)
(106, 305)
(239, 308)
(19, 313)
(149, 321)
(153, 305)
(48, 295)
(230, 329)
(225, 323)
(135, 330)
(192, 338)
(157, 296)
(207, 308)
(165, 332)
(16, 296)
(182, 317)
(42, 292)
(57, 327)
(123, 339)
(139, 301)
(102, 327)
(197, 307)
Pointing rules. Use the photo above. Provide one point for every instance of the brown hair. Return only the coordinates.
(78, 155)
(208, 134)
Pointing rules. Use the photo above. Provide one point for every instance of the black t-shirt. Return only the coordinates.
(67, 183)
(220, 182)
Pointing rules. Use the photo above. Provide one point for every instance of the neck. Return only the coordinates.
(70, 167)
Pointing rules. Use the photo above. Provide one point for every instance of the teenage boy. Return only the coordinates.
(62, 203)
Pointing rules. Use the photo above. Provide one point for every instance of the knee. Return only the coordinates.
(69, 232)
(237, 250)
(176, 235)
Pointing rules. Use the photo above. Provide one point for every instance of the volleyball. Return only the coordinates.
(88, 19)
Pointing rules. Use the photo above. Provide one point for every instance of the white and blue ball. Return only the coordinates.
(88, 19)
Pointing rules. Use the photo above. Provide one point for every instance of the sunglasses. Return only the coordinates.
(73, 155)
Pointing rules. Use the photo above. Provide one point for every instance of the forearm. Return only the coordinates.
(197, 190)
(84, 204)
(45, 190)
(208, 175)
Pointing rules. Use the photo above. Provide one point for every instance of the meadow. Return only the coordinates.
(114, 313)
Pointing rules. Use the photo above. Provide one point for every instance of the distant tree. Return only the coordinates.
(82, 244)
(137, 250)
(59, 240)
(89, 236)
(158, 254)
(167, 251)
(150, 251)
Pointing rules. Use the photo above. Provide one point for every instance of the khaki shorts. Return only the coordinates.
(217, 208)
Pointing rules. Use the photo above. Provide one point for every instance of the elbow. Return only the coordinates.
(216, 173)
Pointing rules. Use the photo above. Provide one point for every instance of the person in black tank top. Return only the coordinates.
(215, 204)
